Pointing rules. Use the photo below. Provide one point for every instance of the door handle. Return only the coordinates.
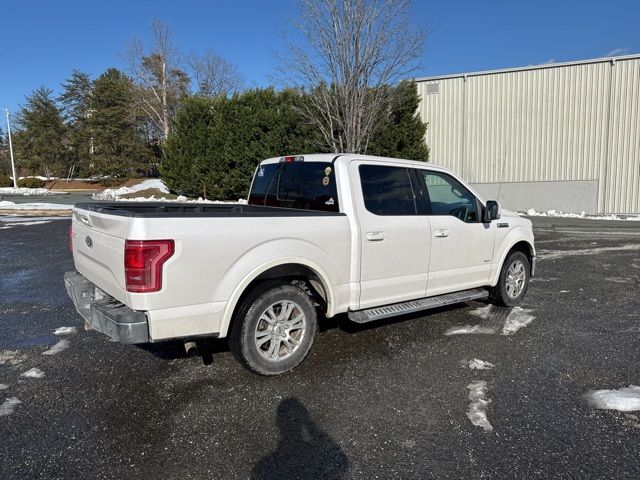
(441, 233)
(375, 236)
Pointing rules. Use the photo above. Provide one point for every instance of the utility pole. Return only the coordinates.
(13, 164)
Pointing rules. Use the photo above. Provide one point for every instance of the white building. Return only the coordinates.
(563, 136)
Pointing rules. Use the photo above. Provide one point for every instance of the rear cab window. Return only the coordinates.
(387, 190)
(298, 184)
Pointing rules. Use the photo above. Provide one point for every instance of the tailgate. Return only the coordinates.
(98, 249)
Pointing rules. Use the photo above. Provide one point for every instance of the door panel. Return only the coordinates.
(461, 245)
(395, 241)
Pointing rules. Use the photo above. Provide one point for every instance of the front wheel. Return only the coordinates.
(274, 329)
(513, 281)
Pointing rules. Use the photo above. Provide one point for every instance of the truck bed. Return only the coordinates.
(171, 209)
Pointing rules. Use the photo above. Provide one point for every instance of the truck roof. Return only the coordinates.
(345, 157)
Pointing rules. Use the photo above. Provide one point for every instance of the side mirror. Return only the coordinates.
(491, 211)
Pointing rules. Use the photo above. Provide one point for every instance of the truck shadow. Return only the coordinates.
(304, 450)
(208, 347)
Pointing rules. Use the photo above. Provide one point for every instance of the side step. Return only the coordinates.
(378, 313)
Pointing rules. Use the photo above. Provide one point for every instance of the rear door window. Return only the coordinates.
(387, 190)
(301, 185)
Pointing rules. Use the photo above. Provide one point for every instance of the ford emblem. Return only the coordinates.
(89, 242)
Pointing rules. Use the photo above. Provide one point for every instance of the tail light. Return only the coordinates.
(143, 261)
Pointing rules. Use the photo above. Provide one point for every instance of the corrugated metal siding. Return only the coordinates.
(622, 191)
(576, 122)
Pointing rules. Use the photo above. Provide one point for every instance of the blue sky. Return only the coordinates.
(44, 40)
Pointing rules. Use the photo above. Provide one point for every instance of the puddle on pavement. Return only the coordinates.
(44, 341)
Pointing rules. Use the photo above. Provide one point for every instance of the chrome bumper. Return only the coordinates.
(104, 313)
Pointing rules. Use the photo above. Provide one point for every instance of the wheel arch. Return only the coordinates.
(513, 242)
(288, 269)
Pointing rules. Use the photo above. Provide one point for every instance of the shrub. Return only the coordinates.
(30, 182)
(5, 181)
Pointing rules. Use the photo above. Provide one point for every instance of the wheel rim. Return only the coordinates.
(280, 330)
(516, 278)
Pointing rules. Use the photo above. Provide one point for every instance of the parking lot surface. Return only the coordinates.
(391, 400)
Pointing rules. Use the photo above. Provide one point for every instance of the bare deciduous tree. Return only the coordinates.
(213, 75)
(352, 50)
(156, 72)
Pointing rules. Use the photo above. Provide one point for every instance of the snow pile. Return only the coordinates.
(478, 404)
(113, 194)
(33, 373)
(624, 399)
(26, 191)
(477, 364)
(553, 213)
(64, 330)
(4, 204)
(156, 183)
(9, 406)
(57, 348)
(469, 329)
(518, 318)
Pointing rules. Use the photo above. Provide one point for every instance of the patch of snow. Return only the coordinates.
(482, 312)
(26, 191)
(469, 329)
(3, 386)
(9, 406)
(554, 254)
(33, 373)
(477, 364)
(64, 330)
(4, 204)
(553, 213)
(57, 348)
(625, 399)
(113, 194)
(11, 357)
(517, 319)
(478, 403)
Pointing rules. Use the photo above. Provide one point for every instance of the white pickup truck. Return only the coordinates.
(321, 234)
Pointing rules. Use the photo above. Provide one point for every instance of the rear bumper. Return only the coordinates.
(104, 313)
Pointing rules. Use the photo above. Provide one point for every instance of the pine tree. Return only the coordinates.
(75, 101)
(120, 147)
(402, 134)
(217, 143)
(39, 134)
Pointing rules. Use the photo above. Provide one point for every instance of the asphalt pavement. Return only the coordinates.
(388, 400)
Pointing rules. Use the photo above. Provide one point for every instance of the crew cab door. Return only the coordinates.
(461, 245)
(394, 240)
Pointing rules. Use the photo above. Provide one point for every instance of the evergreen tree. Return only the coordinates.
(217, 143)
(120, 147)
(5, 166)
(39, 134)
(401, 135)
(75, 101)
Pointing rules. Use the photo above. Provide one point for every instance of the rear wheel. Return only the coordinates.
(513, 281)
(274, 329)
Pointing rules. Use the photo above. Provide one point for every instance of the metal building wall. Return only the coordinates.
(563, 135)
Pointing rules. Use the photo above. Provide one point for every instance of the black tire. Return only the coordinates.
(242, 338)
(500, 294)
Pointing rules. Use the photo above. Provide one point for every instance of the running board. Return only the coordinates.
(378, 313)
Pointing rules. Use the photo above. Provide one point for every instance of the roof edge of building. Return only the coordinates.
(529, 67)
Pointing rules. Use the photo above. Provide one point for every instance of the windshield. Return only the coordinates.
(302, 185)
